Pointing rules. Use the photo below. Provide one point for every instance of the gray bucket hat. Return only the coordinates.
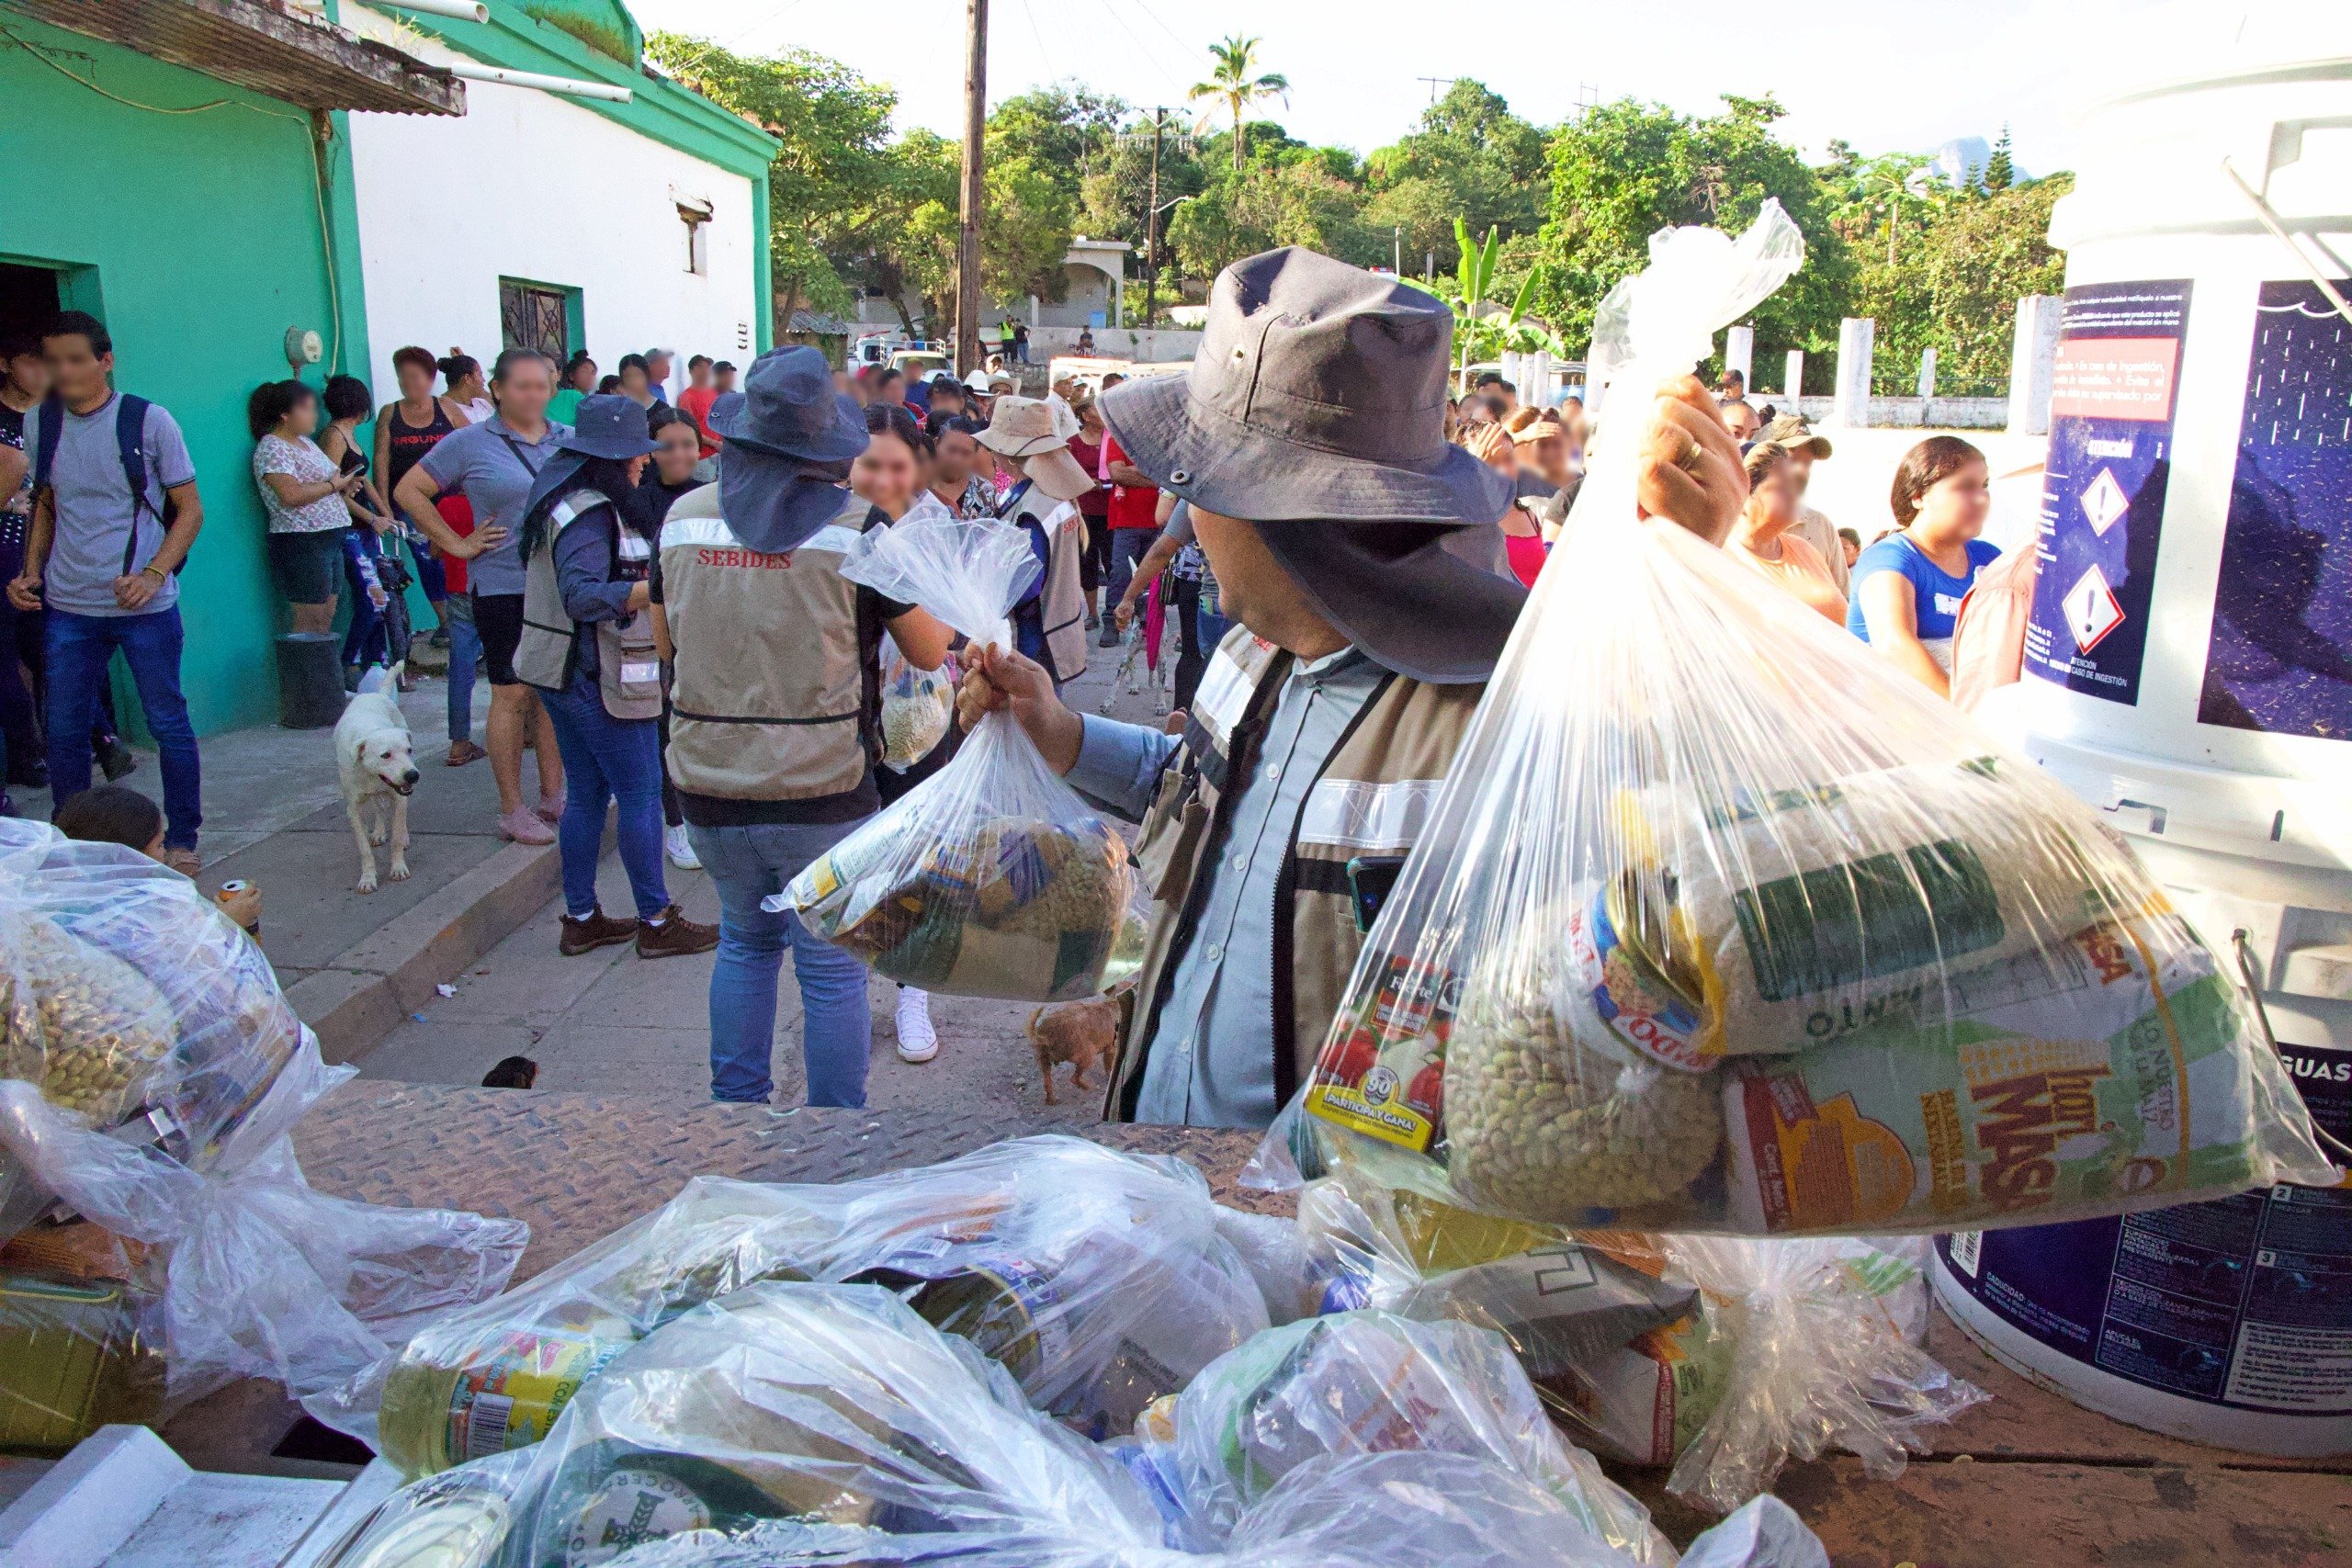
(1315, 411)
(605, 425)
(1317, 394)
(789, 439)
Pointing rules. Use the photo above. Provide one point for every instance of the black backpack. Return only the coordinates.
(129, 440)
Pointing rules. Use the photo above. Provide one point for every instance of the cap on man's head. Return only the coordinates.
(1791, 431)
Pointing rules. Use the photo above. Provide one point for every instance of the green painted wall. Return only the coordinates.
(201, 236)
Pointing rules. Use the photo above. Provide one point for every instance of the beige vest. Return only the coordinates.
(629, 677)
(1062, 599)
(1371, 799)
(771, 698)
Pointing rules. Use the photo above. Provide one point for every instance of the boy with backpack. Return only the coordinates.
(115, 512)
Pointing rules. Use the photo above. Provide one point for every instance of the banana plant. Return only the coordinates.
(1474, 276)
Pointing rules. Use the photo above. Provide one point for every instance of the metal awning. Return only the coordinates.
(275, 49)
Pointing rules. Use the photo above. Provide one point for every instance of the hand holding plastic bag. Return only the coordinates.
(990, 878)
(1720, 924)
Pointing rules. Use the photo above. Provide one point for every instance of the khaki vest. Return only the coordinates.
(1061, 600)
(628, 678)
(1372, 798)
(771, 697)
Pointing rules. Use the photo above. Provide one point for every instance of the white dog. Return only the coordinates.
(371, 749)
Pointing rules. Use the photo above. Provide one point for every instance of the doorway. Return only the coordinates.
(29, 296)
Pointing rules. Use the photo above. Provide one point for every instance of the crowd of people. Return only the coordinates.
(652, 591)
(1902, 593)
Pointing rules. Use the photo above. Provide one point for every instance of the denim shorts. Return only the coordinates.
(309, 567)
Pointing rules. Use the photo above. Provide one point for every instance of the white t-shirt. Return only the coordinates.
(302, 461)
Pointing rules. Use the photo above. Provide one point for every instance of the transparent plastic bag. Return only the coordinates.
(128, 995)
(777, 1410)
(250, 1273)
(1809, 1338)
(1370, 1381)
(790, 1424)
(1099, 1278)
(1721, 1356)
(990, 878)
(1719, 923)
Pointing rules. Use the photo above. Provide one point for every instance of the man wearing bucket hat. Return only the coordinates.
(1358, 551)
(587, 646)
(1050, 625)
(775, 706)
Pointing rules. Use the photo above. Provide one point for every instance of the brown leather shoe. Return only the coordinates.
(599, 930)
(674, 937)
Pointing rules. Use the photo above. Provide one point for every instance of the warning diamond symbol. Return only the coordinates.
(2092, 610)
(2104, 503)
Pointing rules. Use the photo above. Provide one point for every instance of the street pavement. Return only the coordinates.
(608, 1020)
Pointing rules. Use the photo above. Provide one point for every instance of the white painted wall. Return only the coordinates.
(533, 186)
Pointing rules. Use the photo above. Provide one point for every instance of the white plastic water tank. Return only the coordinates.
(2191, 668)
(2189, 672)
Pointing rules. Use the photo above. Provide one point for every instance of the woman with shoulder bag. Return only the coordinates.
(588, 646)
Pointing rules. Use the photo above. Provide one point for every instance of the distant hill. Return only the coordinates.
(1963, 157)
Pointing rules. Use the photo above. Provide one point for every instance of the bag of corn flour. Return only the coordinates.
(1722, 923)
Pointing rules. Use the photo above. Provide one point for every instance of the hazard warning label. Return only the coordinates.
(2104, 503)
(2108, 469)
(2092, 610)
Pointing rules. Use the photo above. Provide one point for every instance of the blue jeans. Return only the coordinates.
(837, 1024)
(464, 658)
(607, 759)
(77, 650)
(1127, 547)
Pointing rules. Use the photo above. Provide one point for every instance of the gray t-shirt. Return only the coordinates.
(93, 509)
(493, 467)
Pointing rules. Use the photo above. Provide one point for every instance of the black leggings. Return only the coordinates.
(1195, 658)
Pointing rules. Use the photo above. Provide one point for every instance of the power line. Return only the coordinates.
(1175, 79)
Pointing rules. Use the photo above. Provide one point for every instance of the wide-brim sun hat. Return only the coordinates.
(1027, 428)
(606, 425)
(1318, 393)
(788, 446)
(792, 409)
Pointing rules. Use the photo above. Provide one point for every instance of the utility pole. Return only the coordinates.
(1151, 207)
(969, 303)
(1151, 221)
(1398, 261)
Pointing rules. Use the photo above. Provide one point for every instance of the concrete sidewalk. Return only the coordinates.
(354, 964)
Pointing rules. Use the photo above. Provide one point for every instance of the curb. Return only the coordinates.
(365, 991)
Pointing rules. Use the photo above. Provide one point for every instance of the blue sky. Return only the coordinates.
(1884, 74)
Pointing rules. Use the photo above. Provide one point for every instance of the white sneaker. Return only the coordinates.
(918, 1041)
(679, 849)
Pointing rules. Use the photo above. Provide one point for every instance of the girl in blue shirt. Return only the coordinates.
(1907, 587)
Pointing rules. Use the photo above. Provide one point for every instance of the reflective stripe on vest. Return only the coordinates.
(1361, 818)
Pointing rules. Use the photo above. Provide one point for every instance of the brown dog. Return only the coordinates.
(1081, 1034)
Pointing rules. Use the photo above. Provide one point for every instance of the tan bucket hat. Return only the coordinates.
(1024, 428)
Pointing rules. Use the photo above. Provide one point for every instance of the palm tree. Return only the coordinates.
(1232, 83)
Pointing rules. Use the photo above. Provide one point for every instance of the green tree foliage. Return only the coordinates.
(2001, 172)
(1237, 83)
(1062, 130)
(1027, 232)
(1266, 204)
(1955, 284)
(1471, 159)
(1627, 169)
